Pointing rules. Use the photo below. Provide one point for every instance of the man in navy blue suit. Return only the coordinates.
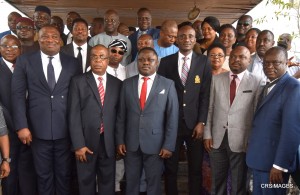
(275, 136)
(39, 91)
(12, 22)
(144, 22)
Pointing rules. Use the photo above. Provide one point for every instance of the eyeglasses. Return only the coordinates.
(243, 23)
(142, 60)
(24, 27)
(10, 46)
(213, 55)
(273, 63)
(144, 18)
(101, 58)
(110, 20)
(119, 52)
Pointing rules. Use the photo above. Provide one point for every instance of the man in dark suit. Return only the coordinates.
(275, 136)
(146, 124)
(12, 22)
(92, 119)
(192, 76)
(22, 179)
(79, 47)
(144, 23)
(43, 79)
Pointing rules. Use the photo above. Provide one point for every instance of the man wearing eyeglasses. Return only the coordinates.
(243, 25)
(275, 135)
(93, 103)
(117, 49)
(25, 33)
(22, 179)
(111, 23)
(233, 98)
(79, 48)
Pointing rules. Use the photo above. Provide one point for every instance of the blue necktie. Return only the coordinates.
(50, 74)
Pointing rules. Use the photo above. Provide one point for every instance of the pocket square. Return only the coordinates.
(247, 91)
(162, 92)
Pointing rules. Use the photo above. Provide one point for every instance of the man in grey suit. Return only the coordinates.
(146, 124)
(233, 98)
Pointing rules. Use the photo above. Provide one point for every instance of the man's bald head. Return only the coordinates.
(145, 40)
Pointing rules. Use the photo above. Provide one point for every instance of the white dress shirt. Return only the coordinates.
(55, 62)
(120, 71)
(69, 38)
(238, 79)
(9, 65)
(83, 53)
(149, 84)
(257, 69)
(180, 61)
(104, 80)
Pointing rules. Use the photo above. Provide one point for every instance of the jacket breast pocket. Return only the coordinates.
(157, 131)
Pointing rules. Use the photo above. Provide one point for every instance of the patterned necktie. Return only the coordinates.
(232, 88)
(143, 93)
(184, 71)
(50, 74)
(79, 57)
(102, 94)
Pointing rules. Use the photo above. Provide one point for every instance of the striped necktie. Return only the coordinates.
(185, 70)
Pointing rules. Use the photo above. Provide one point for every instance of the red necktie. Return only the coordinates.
(232, 88)
(143, 93)
(102, 94)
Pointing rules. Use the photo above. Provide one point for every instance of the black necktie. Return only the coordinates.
(79, 57)
(50, 74)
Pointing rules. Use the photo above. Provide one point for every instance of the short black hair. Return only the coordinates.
(225, 26)
(148, 49)
(216, 45)
(77, 20)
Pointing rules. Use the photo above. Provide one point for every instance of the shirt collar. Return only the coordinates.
(9, 64)
(104, 76)
(83, 47)
(180, 55)
(43, 55)
(151, 77)
(240, 75)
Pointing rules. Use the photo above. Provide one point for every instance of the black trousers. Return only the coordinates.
(195, 157)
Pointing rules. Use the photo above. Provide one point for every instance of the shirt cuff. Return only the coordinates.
(279, 168)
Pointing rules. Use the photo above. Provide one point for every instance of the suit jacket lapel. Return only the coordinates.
(4, 67)
(64, 71)
(135, 87)
(226, 85)
(92, 83)
(152, 91)
(88, 57)
(242, 86)
(38, 66)
(274, 90)
(175, 69)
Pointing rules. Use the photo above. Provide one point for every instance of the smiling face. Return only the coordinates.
(227, 37)
(208, 32)
(217, 58)
(80, 33)
(186, 39)
(49, 40)
(10, 48)
(250, 40)
(147, 62)
(111, 22)
(239, 59)
(144, 20)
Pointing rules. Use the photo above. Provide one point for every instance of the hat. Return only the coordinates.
(213, 22)
(26, 20)
(118, 43)
(42, 8)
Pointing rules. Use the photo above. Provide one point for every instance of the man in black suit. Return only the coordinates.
(79, 47)
(22, 179)
(192, 76)
(93, 104)
(43, 79)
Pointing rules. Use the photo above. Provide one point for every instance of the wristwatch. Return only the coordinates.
(6, 159)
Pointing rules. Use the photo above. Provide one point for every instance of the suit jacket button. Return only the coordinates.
(62, 96)
(184, 105)
(184, 91)
(52, 96)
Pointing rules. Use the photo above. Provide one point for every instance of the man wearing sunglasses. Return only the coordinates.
(117, 49)
(243, 25)
(25, 33)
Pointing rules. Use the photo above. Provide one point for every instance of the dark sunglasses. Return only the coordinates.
(243, 24)
(119, 52)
